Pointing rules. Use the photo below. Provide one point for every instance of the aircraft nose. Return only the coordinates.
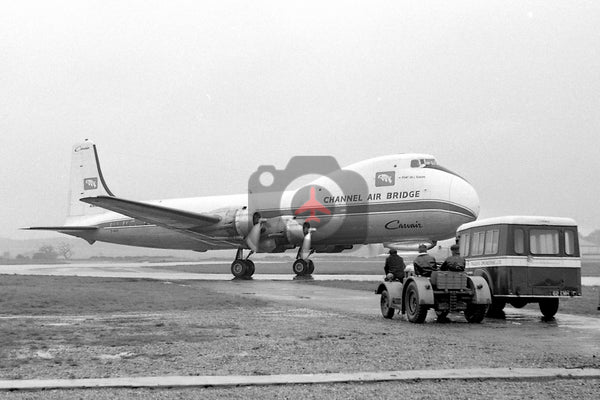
(465, 196)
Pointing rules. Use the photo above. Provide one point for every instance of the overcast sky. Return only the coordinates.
(188, 98)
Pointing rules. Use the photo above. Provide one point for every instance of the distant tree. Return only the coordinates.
(65, 250)
(594, 237)
(46, 252)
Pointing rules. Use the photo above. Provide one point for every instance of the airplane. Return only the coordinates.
(405, 199)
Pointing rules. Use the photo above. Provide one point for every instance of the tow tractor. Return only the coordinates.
(444, 291)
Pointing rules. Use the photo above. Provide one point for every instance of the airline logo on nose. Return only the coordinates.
(90, 183)
(385, 178)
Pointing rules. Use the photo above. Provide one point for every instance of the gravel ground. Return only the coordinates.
(267, 340)
(149, 328)
(554, 389)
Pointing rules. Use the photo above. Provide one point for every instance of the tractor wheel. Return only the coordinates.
(386, 310)
(415, 312)
(548, 307)
(475, 312)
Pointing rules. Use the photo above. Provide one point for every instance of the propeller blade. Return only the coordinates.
(253, 238)
(307, 243)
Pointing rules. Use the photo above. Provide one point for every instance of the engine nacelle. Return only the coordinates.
(294, 232)
(242, 222)
(410, 245)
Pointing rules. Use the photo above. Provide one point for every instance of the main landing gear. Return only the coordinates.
(303, 266)
(242, 268)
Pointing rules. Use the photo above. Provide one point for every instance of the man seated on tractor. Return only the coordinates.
(394, 267)
(424, 263)
(455, 262)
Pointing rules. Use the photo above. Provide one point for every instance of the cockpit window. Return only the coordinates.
(423, 162)
(440, 168)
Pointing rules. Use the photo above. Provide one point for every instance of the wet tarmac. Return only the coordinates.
(282, 288)
(154, 271)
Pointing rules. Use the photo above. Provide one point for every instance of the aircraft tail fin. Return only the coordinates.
(86, 180)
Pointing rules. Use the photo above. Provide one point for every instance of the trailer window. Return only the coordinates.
(478, 243)
(464, 244)
(569, 242)
(491, 241)
(543, 241)
(519, 241)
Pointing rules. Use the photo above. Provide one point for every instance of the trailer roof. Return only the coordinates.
(520, 220)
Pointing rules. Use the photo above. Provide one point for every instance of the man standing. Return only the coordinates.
(424, 263)
(455, 262)
(394, 266)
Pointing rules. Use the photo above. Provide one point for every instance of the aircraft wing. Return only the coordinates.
(167, 217)
(64, 228)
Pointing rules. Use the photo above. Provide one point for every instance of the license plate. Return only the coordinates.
(561, 293)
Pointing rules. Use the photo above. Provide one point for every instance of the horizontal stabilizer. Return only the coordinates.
(172, 218)
(62, 228)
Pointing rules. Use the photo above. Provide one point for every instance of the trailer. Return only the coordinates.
(524, 259)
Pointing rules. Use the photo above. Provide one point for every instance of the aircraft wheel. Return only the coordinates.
(239, 268)
(475, 312)
(548, 307)
(311, 267)
(386, 310)
(251, 268)
(300, 267)
(415, 312)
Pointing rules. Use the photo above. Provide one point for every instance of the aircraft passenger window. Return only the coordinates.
(491, 241)
(569, 243)
(519, 241)
(542, 241)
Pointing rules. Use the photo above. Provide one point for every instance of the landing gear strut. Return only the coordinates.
(242, 268)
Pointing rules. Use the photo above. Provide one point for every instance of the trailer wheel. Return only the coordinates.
(548, 307)
(386, 310)
(415, 312)
(518, 302)
(475, 312)
(442, 316)
(496, 309)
